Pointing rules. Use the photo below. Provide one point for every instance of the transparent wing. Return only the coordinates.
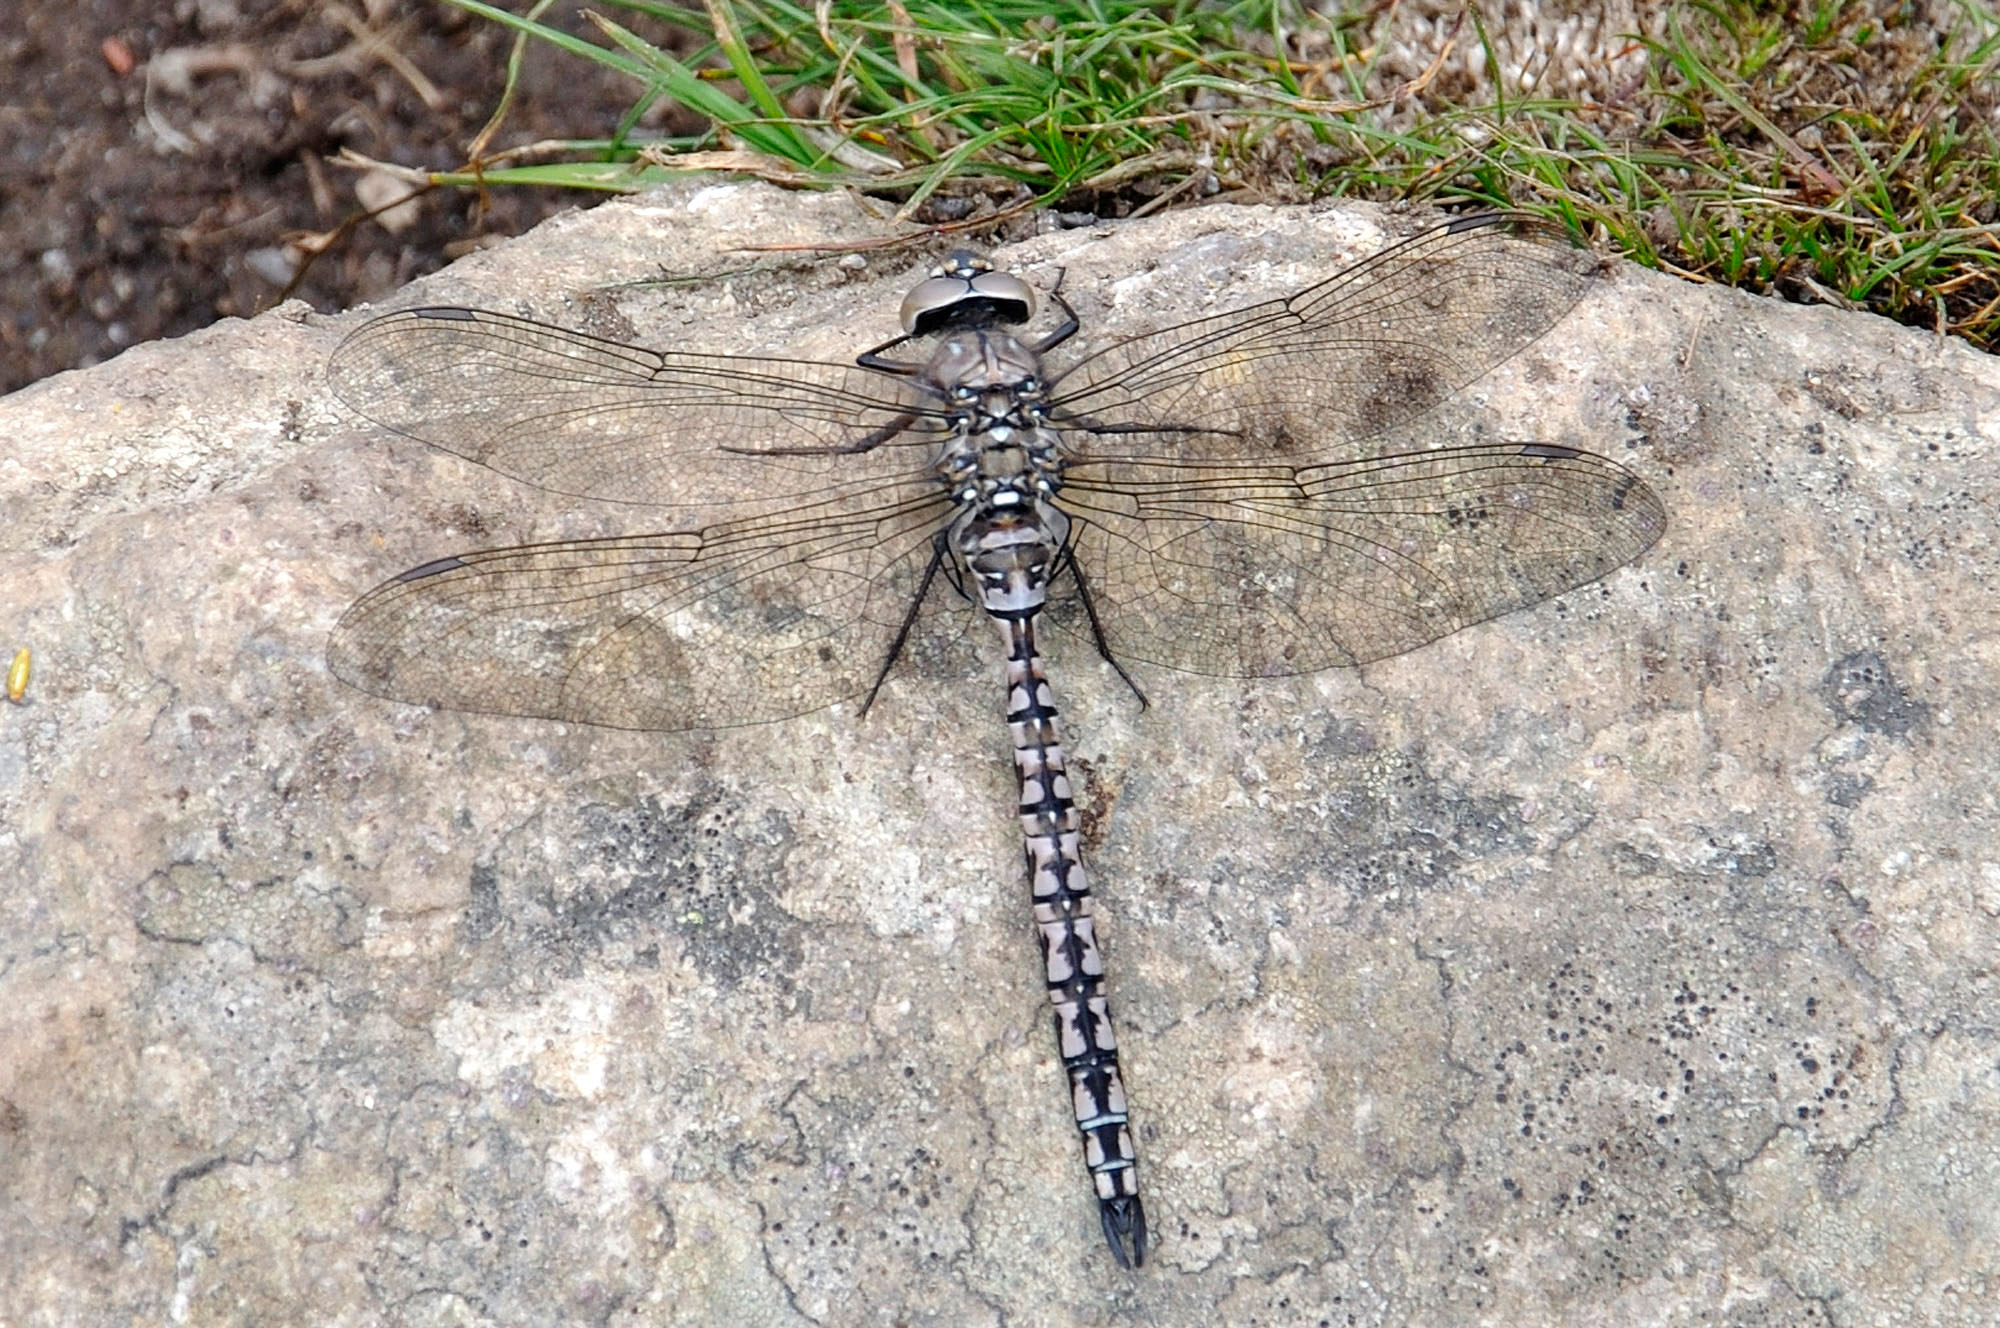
(739, 623)
(1258, 571)
(1370, 348)
(580, 415)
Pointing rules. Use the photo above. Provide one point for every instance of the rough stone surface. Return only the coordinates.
(1628, 960)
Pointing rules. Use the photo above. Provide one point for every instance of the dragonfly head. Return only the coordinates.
(965, 293)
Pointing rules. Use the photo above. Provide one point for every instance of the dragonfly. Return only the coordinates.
(1256, 493)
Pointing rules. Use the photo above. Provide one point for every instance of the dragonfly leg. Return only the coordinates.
(873, 358)
(939, 554)
(1097, 627)
(1064, 330)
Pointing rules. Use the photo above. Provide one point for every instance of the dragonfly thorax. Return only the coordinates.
(1001, 467)
(1001, 455)
(988, 380)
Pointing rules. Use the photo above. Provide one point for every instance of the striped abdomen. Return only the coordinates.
(1071, 961)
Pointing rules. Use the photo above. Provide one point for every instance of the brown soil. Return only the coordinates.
(164, 162)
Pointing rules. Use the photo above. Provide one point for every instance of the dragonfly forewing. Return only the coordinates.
(590, 418)
(1372, 348)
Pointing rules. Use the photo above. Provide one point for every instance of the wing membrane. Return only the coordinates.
(1258, 571)
(739, 623)
(580, 415)
(1369, 349)
(1247, 498)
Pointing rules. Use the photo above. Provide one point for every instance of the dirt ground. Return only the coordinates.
(166, 164)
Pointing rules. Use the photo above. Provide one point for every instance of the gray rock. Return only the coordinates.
(1627, 960)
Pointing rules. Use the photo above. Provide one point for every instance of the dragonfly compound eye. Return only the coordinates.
(966, 295)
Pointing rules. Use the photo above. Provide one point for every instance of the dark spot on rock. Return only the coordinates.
(482, 910)
(1861, 689)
